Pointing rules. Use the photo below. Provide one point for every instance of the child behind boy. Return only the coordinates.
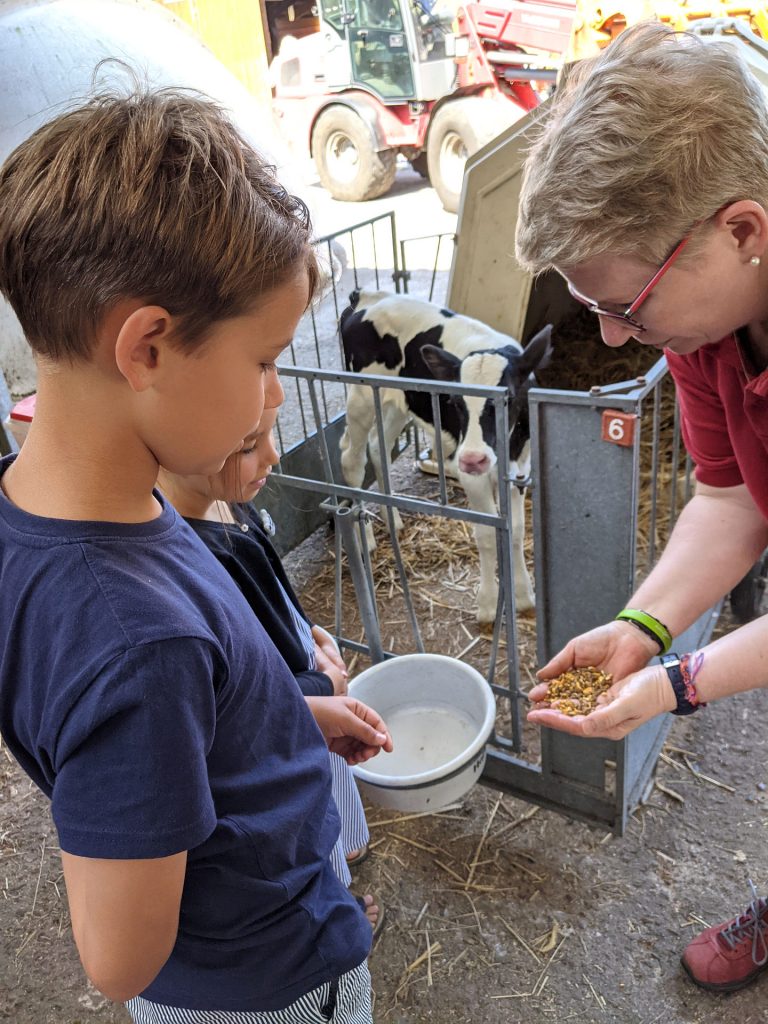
(216, 508)
(158, 269)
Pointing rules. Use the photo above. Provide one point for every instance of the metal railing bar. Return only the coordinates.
(409, 607)
(360, 648)
(282, 371)
(399, 383)
(383, 448)
(373, 632)
(610, 395)
(494, 654)
(384, 461)
(375, 257)
(506, 562)
(688, 485)
(337, 579)
(333, 283)
(354, 259)
(400, 278)
(319, 358)
(333, 235)
(327, 464)
(674, 468)
(438, 422)
(399, 501)
(434, 267)
(654, 473)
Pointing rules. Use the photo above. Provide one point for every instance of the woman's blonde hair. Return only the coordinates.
(658, 132)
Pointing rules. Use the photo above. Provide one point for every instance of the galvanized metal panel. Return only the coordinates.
(584, 530)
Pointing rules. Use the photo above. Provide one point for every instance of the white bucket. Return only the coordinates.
(440, 713)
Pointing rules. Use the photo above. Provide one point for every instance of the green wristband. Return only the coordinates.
(648, 624)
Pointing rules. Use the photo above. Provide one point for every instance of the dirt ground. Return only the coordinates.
(496, 911)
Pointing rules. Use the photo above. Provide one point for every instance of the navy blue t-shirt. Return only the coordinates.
(138, 693)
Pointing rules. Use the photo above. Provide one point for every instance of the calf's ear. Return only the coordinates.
(441, 364)
(537, 352)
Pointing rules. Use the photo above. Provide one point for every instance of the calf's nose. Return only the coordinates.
(474, 463)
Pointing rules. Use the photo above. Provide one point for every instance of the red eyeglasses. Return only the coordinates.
(627, 317)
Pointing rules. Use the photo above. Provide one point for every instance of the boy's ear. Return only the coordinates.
(140, 340)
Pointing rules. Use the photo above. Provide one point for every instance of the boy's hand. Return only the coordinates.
(351, 729)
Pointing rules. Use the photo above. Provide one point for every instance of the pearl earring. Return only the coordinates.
(755, 261)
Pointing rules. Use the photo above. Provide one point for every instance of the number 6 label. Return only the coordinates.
(619, 427)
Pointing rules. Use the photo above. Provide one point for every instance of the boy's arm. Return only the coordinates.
(125, 915)
(131, 796)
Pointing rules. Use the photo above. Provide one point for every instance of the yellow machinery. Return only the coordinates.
(596, 23)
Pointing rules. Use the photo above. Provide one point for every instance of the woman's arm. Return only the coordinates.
(732, 664)
(719, 535)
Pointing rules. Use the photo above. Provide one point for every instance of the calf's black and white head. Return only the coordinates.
(509, 367)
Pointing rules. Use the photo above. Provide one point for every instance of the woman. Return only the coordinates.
(647, 190)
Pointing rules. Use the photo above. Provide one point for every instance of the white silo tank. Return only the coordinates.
(49, 50)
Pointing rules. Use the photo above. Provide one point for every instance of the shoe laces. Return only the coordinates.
(750, 925)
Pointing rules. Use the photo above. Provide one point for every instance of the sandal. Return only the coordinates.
(357, 857)
(376, 928)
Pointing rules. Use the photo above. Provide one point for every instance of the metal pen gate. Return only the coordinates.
(587, 493)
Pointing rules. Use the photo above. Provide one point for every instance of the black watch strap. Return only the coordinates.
(671, 663)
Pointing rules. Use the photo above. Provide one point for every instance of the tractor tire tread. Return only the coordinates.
(377, 167)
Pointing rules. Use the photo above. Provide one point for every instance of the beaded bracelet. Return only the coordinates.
(690, 665)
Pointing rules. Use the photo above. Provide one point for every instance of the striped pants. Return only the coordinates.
(344, 1001)
(354, 829)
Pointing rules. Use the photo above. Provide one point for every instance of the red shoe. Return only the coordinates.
(729, 956)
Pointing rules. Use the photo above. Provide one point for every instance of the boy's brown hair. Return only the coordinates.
(154, 195)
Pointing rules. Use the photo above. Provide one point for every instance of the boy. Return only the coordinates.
(158, 269)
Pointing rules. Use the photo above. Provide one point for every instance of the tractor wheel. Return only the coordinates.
(419, 164)
(347, 161)
(746, 597)
(458, 129)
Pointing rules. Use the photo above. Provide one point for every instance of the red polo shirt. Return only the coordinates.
(724, 416)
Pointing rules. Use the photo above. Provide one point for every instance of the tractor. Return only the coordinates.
(357, 82)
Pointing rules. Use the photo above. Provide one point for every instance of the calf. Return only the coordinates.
(403, 337)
